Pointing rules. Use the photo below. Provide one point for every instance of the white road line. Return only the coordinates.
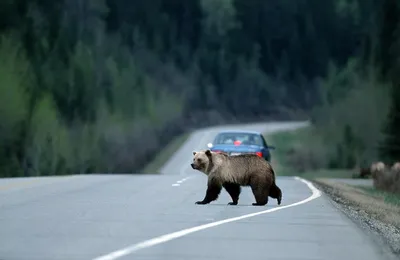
(168, 237)
(178, 183)
(184, 179)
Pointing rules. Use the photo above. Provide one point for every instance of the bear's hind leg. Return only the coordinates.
(260, 194)
(234, 191)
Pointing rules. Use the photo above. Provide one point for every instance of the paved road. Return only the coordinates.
(107, 217)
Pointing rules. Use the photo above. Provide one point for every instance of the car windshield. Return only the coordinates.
(243, 138)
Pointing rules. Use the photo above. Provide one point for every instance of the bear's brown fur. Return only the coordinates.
(232, 172)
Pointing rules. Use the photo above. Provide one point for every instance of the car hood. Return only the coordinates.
(236, 148)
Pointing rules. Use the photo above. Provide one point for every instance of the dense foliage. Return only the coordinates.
(101, 85)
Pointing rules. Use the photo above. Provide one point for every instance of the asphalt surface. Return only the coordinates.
(106, 217)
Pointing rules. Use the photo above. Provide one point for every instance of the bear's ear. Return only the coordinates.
(194, 152)
(208, 152)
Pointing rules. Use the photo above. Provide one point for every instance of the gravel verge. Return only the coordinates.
(377, 218)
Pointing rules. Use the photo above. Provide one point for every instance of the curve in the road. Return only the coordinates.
(92, 216)
(198, 140)
(168, 237)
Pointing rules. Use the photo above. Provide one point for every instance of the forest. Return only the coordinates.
(101, 86)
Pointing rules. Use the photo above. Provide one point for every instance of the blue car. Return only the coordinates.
(239, 142)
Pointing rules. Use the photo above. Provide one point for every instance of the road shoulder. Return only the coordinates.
(378, 218)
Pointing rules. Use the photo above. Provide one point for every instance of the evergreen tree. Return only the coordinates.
(390, 148)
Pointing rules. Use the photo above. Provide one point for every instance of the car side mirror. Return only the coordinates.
(271, 147)
(209, 145)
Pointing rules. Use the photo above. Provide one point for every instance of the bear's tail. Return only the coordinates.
(276, 193)
(273, 174)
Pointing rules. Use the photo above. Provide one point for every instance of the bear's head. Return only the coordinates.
(377, 167)
(201, 160)
(396, 167)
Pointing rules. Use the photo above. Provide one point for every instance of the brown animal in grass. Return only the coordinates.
(377, 168)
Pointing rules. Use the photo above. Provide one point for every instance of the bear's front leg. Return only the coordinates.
(212, 193)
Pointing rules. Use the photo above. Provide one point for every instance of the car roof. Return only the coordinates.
(239, 131)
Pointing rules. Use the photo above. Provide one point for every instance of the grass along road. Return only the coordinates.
(293, 155)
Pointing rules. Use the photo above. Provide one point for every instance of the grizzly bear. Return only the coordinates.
(232, 172)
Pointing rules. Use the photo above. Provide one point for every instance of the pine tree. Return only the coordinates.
(390, 147)
(390, 44)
